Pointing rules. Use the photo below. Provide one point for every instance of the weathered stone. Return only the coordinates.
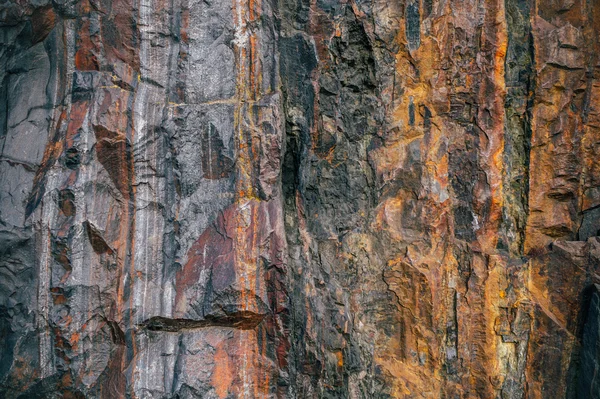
(295, 199)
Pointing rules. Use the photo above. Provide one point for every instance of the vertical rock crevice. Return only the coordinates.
(519, 78)
(587, 383)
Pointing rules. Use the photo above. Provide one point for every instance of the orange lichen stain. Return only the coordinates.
(66, 380)
(338, 30)
(83, 7)
(222, 377)
(52, 151)
(66, 321)
(58, 298)
(75, 340)
(340, 359)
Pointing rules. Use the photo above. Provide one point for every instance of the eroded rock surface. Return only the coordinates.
(299, 199)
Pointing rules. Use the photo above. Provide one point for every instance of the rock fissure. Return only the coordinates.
(239, 320)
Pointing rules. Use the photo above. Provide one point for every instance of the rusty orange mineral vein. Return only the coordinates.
(246, 15)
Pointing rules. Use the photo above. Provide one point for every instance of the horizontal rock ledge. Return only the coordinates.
(240, 320)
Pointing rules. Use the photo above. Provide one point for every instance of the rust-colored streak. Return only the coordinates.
(85, 57)
(212, 253)
(223, 374)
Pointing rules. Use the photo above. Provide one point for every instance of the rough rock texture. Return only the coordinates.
(299, 199)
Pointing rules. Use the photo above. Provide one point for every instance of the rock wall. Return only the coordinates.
(299, 199)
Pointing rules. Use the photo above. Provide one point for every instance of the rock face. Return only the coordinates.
(299, 199)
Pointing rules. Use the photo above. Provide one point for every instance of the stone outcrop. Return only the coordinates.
(299, 199)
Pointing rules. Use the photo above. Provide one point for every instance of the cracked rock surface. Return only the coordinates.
(300, 199)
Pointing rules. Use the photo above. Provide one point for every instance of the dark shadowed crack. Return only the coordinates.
(243, 320)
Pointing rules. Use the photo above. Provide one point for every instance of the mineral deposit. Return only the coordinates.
(300, 199)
